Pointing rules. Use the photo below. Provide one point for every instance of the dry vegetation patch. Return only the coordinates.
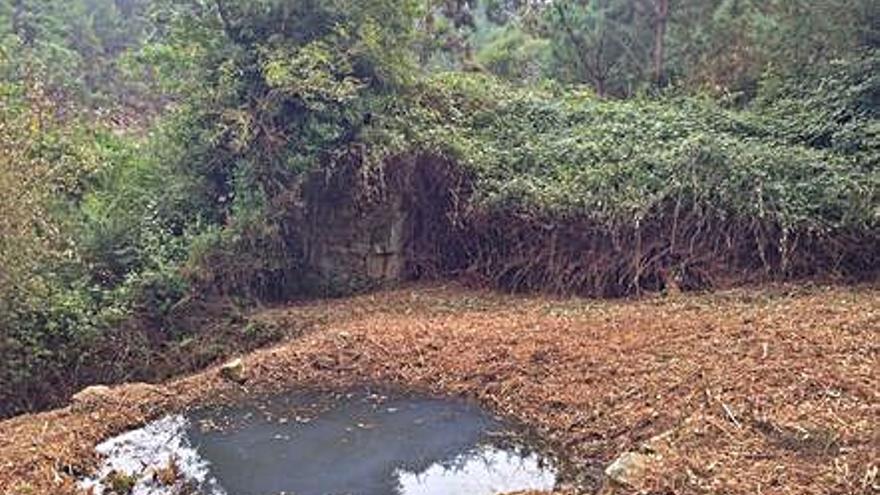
(746, 391)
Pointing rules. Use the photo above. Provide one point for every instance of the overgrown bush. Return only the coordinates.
(94, 233)
(577, 194)
(836, 106)
(115, 252)
(46, 316)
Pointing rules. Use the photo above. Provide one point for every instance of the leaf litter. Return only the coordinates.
(770, 390)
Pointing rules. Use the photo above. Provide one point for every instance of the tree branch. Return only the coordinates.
(591, 70)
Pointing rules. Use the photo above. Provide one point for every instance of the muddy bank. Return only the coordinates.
(772, 391)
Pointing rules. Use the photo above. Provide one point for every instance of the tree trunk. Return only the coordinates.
(599, 83)
(661, 11)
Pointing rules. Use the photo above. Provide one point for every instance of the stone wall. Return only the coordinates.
(349, 243)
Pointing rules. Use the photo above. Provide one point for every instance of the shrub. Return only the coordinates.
(610, 197)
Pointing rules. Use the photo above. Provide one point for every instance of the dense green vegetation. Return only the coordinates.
(154, 155)
(581, 195)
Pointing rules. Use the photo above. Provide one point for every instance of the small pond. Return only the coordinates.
(315, 444)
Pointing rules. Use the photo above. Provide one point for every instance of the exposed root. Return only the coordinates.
(682, 245)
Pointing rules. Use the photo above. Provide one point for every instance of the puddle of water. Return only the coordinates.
(318, 445)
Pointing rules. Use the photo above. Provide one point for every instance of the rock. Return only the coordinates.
(635, 471)
(233, 371)
(630, 469)
(90, 396)
(135, 394)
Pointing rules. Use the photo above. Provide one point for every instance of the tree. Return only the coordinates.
(514, 54)
(661, 19)
(78, 46)
(273, 87)
(727, 46)
(447, 37)
(597, 42)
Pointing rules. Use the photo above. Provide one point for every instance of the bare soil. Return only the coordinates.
(752, 391)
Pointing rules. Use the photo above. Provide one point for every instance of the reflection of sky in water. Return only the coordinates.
(317, 445)
(145, 451)
(487, 471)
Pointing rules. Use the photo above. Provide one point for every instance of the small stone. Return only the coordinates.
(233, 371)
(630, 469)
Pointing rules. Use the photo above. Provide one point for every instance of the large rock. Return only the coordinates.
(97, 396)
(630, 469)
(234, 371)
(91, 396)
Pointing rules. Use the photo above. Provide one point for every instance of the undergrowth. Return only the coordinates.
(573, 194)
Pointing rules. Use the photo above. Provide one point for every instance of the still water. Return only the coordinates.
(307, 444)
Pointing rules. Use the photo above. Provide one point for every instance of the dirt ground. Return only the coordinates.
(752, 391)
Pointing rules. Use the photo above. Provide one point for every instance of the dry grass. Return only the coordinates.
(770, 391)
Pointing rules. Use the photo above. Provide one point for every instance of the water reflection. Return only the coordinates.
(318, 445)
(485, 471)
